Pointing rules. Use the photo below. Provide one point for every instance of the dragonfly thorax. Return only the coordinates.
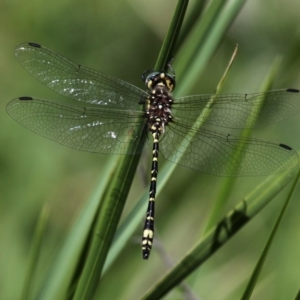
(159, 109)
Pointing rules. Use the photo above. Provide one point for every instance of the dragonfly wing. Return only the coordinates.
(75, 81)
(92, 129)
(223, 154)
(239, 110)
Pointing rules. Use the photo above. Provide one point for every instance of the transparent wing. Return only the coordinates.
(240, 110)
(223, 154)
(91, 129)
(76, 81)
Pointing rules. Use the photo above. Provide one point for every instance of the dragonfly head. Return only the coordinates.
(154, 79)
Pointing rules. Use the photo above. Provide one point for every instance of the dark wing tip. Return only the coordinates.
(285, 147)
(35, 45)
(292, 90)
(26, 98)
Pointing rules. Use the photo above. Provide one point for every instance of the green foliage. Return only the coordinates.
(124, 39)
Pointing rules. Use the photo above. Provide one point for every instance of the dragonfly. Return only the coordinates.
(109, 110)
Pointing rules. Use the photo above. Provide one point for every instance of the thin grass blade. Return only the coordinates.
(215, 238)
(203, 41)
(35, 253)
(256, 272)
(57, 284)
(228, 182)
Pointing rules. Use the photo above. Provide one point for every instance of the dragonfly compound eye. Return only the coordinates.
(160, 79)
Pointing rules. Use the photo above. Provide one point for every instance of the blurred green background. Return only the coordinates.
(123, 38)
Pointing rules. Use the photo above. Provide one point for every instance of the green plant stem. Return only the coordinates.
(254, 277)
(195, 13)
(117, 191)
(167, 49)
(107, 220)
(35, 252)
(227, 184)
(216, 237)
(203, 40)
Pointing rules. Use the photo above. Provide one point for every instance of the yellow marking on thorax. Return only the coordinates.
(150, 84)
